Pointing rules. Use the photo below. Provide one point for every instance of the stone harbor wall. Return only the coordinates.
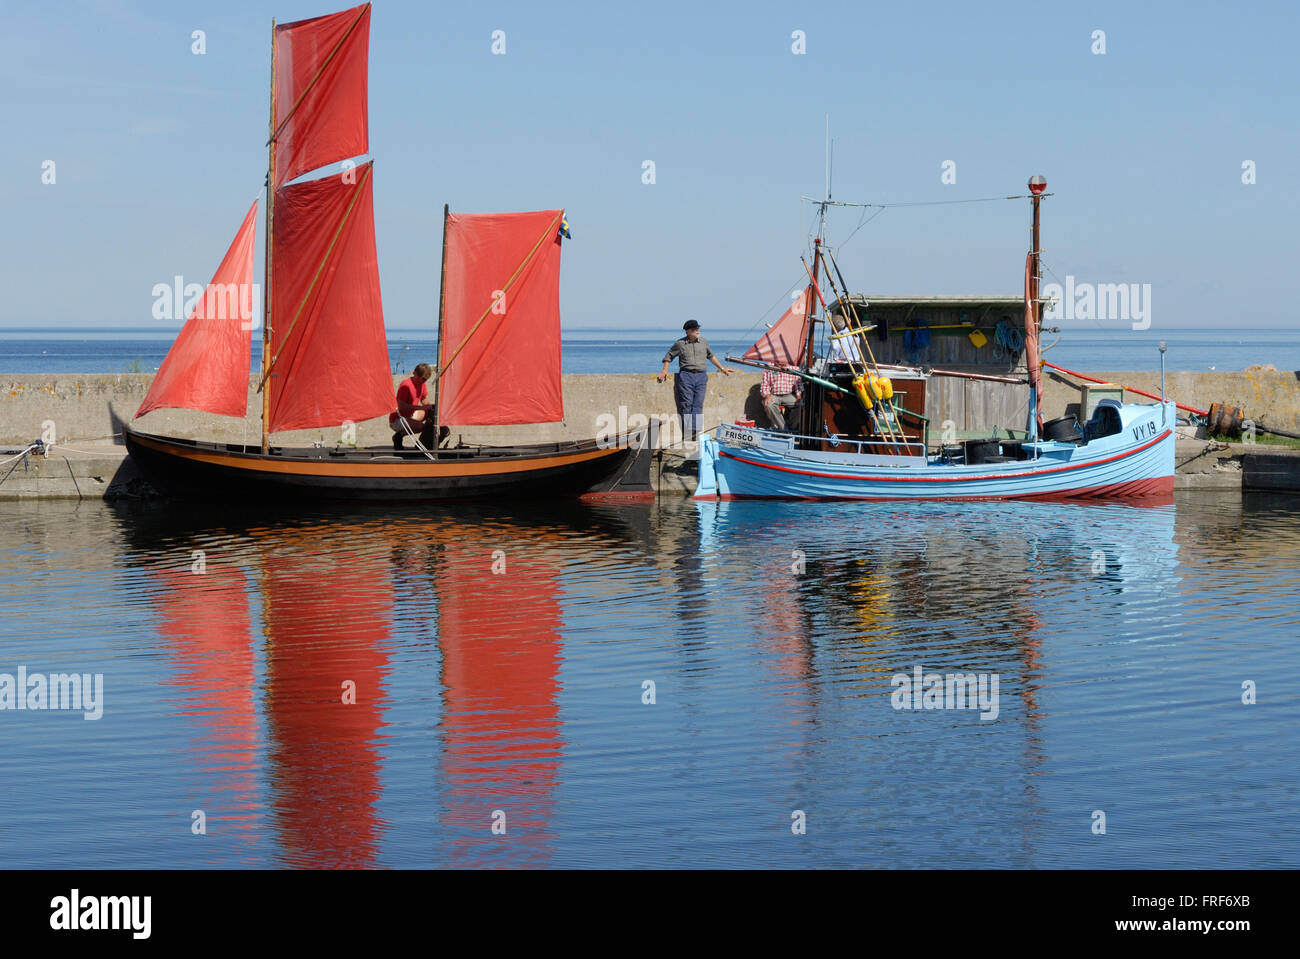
(92, 408)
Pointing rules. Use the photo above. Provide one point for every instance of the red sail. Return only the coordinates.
(1031, 349)
(500, 347)
(321, 108)
(328, 615)
(205, 626)
(502, 734)
(330, 355)
(207, 367)
(783, 344)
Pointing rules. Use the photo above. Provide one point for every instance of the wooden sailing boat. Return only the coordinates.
(324, 350)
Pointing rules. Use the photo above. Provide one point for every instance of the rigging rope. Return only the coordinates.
(762, 318)
(20, 455)
(982, 199)
(882, 207)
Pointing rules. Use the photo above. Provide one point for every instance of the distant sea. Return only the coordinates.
(640, 350)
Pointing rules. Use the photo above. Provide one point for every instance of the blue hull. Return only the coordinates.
(1138, 461)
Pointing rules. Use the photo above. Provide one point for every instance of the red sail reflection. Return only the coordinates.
(204, 621)
(785, 635)
(328, 622)
(500, 638)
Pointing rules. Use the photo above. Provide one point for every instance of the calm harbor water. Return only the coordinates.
(499, 658)
(640, 350)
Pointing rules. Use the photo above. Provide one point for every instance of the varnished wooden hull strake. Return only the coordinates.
(210, 470)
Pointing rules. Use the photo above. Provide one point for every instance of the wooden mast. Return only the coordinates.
(812, 398)
(265, 385)
(1036, 276)
(442, 309)
(1036, 187)
(811, 418)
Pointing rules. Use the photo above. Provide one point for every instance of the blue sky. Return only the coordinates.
(159, 152)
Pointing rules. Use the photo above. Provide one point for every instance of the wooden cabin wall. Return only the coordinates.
(976, 405)
(949, 349)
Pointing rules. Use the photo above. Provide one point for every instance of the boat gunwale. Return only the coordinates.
(386, 457)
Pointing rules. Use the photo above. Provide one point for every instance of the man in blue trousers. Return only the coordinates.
(692, 352)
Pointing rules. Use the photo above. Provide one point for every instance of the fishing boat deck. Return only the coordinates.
(860, 450)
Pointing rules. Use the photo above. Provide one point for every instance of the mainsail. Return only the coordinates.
(783, 344)
(327, 320)
(321, 111)
(501, 314)
(207, 367)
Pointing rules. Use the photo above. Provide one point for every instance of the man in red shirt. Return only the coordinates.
(413, 414)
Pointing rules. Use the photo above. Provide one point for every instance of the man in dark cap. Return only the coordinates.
(693, 353)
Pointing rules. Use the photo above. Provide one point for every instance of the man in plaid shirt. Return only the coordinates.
(779, 389)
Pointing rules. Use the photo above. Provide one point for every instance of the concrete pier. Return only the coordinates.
(81, 417)
(94, 471)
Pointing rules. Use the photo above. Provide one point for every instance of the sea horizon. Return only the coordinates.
(639, 349)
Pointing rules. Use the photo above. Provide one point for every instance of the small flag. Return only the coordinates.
(564, 229)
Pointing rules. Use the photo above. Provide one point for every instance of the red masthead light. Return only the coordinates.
(1037, 185)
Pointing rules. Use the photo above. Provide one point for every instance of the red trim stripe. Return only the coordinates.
(1153, 492)
(947, 479)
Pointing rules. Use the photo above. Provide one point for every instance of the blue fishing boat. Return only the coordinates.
(1125, 450)
(858, 438)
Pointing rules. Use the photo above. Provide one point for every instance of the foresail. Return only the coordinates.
(207, 367)
(329, 352)
(500, 348)
(783, 344)
(321, 104)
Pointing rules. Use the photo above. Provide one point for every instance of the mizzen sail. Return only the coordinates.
(207, 367)
(321, 108)
(329, 359)
(783, 344)
(499, 353)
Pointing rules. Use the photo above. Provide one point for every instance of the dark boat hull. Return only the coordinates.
(190, 468)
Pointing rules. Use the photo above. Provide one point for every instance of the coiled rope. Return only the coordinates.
(1008, 341)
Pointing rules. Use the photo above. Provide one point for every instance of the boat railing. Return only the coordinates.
(837, 443)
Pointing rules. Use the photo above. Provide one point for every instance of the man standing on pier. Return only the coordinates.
(693, 353)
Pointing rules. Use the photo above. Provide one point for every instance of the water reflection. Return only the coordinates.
(497, 658)
(327, 619)
(206, 629)
(862, 593)
(500, 630)
(488, 585)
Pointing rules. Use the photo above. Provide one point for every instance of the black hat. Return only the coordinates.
(690, 325)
